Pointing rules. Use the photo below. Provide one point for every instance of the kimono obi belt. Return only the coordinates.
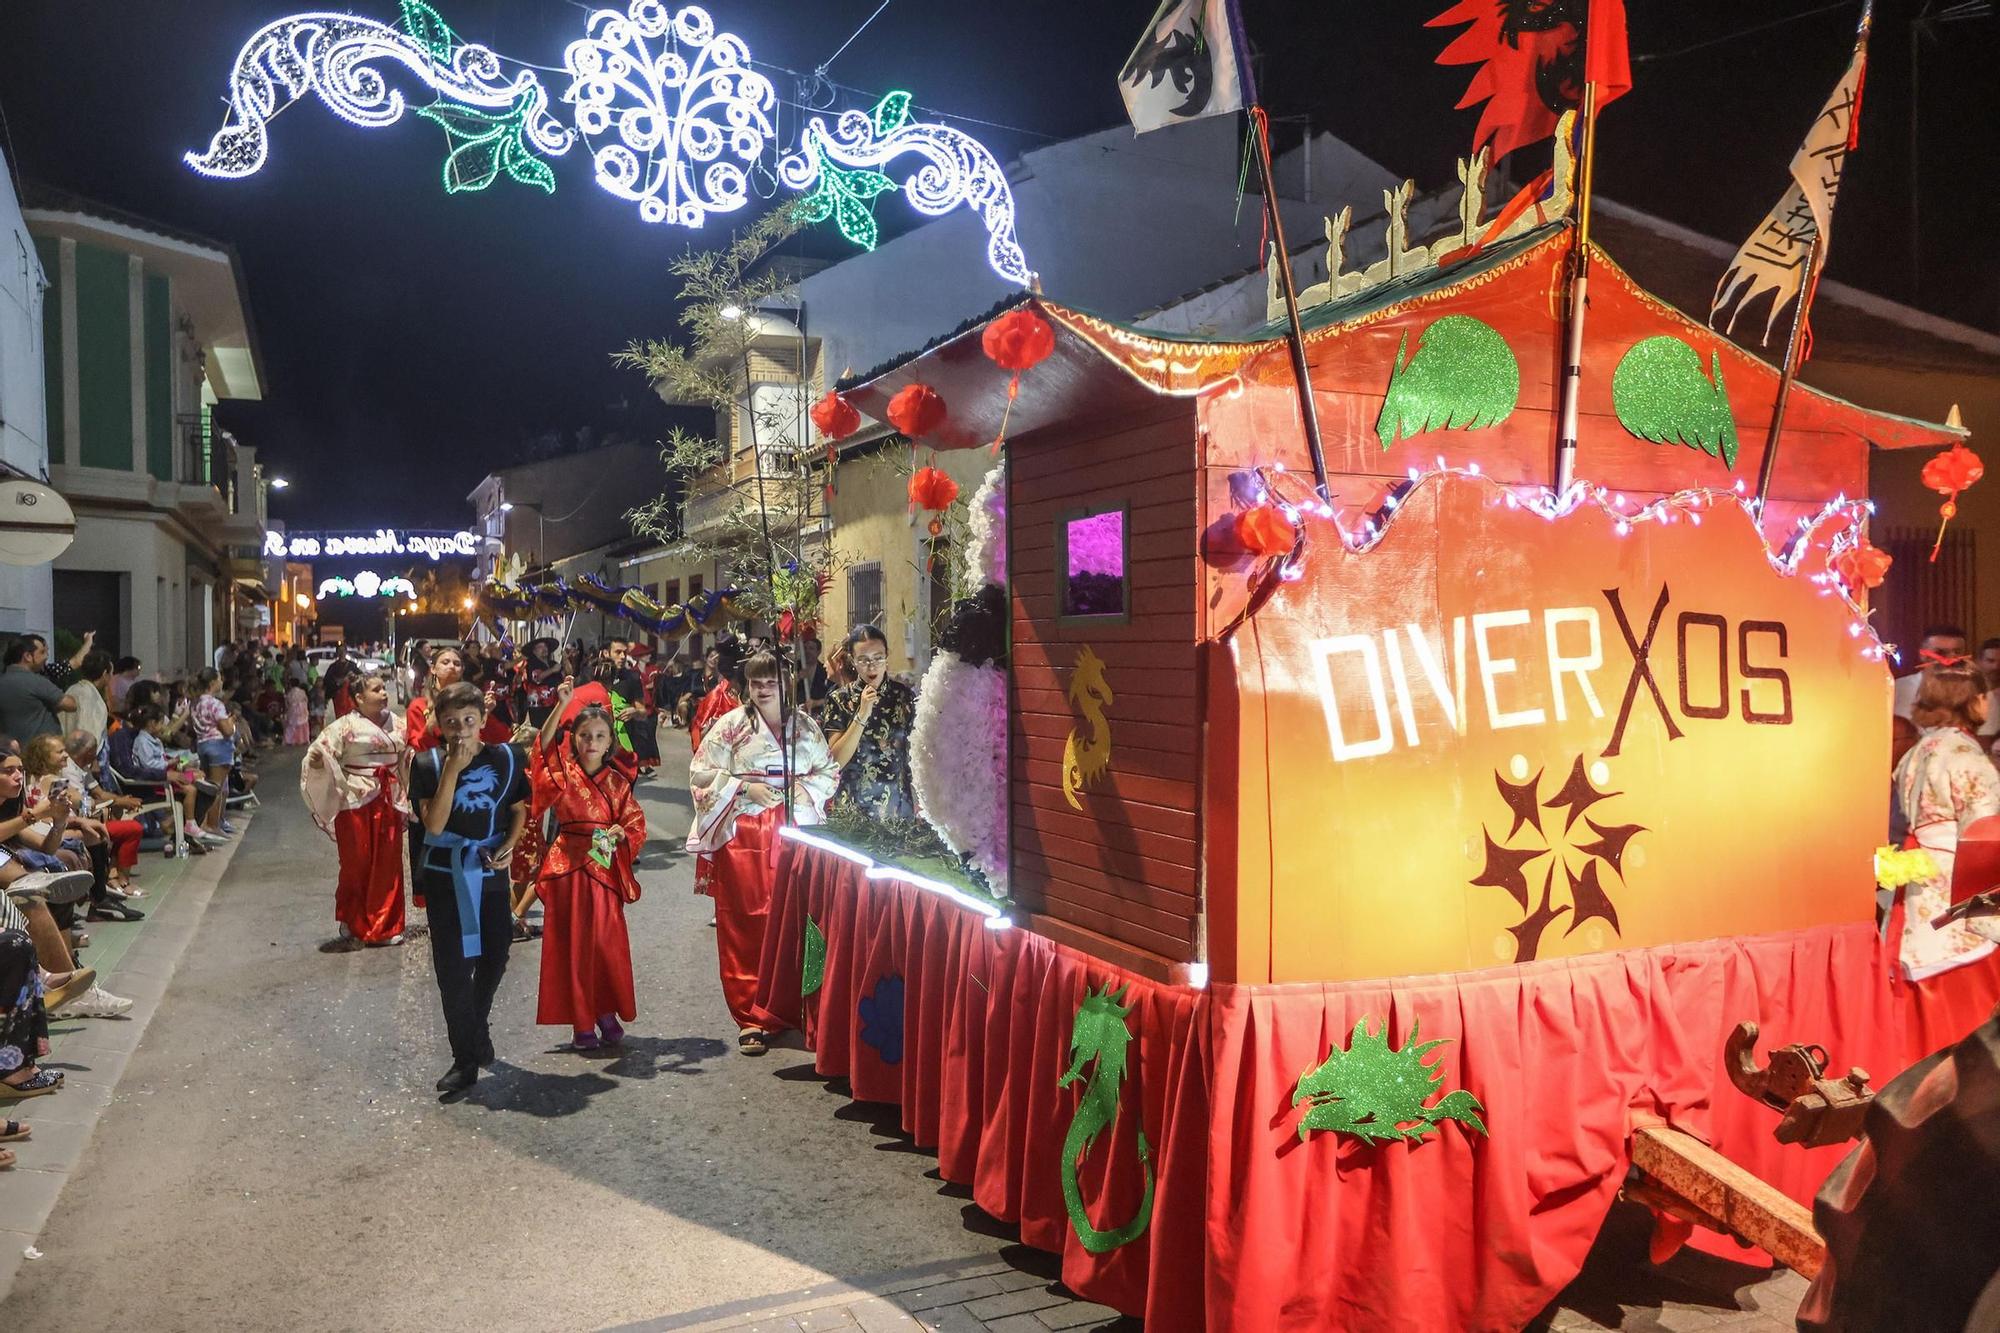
(467, 876)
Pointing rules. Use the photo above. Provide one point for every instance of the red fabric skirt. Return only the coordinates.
(1254, 1228)
(740, 876)
(586, 954)
(124, 836)
(369, 897)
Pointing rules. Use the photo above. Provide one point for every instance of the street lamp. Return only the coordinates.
(279, 483)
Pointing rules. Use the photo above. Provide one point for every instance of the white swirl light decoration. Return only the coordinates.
(332, 55)
(696, 101)
(958, 169)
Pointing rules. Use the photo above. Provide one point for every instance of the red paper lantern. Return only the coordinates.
(1861, 567)
(1264, 530)
(1948, 474)
(916, 410)
(932, 489)
(1019, 340)
(835, 417)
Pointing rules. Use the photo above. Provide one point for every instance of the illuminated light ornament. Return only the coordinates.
(333, 56)
(958, 170)
(848, 196)
(368, 584)
(691, 116)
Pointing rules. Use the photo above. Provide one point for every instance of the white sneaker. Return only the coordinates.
(98, 1002)
(63, 886)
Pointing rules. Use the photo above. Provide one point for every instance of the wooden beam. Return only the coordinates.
(1728, 1197)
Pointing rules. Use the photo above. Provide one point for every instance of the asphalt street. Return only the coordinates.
(275, 1155)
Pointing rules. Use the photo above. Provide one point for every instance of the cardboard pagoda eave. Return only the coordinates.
(1101, 367)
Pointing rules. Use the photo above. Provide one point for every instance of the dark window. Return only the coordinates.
(864, 596)
(1090, 550)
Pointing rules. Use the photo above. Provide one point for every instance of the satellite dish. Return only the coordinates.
(36, 524)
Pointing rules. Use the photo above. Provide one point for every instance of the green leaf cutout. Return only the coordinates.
(1661, 395)
(813, 974)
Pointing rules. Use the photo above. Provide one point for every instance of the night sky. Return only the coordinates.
(412, 340)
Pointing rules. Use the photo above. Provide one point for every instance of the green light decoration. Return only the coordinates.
(846, 194)
(1463, 377)
(1377, 1094)
(1661, 395)
(430, 30)
(1100, 1034)
(812, 975)
(480, 145)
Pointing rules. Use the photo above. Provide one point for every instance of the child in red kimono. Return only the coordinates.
(587, 878)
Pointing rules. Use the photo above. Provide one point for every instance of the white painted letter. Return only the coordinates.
(1580, 667)
(1435, 674)
(1371, 662)
(1491, 666)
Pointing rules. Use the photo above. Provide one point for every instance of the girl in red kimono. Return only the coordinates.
(587, 878)
(349, 781)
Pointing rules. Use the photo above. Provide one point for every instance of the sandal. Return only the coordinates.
(752, 1042)
(44, 1082)
(14, 1130)
(6, 1160)
(583, 1039)
(524, 930)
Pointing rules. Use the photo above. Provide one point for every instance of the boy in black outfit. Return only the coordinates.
(472, 799)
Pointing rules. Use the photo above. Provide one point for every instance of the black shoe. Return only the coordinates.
(457, 1079)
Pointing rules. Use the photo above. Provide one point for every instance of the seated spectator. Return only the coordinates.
(44, 759)
(105, 806)
(149, 762)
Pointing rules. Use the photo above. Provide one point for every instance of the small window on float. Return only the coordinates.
(1092, 565)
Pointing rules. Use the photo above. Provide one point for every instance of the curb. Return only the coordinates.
(94, 1054)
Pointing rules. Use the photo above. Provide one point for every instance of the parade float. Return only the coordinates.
(1379, 860)
(1370, 836)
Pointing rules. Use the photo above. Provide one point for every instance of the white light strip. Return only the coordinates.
(995, 919)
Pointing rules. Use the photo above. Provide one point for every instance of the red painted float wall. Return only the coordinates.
(1121, 876)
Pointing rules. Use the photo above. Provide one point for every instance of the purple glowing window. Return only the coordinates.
(1094, 579)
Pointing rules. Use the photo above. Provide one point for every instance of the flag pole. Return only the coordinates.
(1579, 287)
(1294, 334)
(1769, 465)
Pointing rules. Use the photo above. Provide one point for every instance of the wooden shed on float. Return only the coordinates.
(1450, 727)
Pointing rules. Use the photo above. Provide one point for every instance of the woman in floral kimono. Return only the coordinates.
(1944, 783)
(350, 785)
(738, 780)
(587, 878)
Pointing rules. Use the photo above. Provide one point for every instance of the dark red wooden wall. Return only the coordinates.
(1125, 869)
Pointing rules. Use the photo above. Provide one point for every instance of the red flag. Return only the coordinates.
(1533, 62)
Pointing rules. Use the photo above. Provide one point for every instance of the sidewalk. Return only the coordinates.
(135, 960)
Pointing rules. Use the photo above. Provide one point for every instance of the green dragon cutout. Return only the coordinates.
(1463, 376)
(1661, 395)
(1377, 1094)
(812, 974)
(1100, 1034)
(845, 194)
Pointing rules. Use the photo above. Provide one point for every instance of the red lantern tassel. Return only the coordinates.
(1006, 413)
(1947, 511)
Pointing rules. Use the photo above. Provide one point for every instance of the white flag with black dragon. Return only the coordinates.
(1188, 64)
(1775, 258)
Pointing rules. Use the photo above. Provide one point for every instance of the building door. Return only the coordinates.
(200, 626)
(94, 599)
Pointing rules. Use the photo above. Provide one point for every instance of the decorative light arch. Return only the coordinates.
(675, 112)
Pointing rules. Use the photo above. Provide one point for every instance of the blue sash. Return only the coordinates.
(467, 872)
